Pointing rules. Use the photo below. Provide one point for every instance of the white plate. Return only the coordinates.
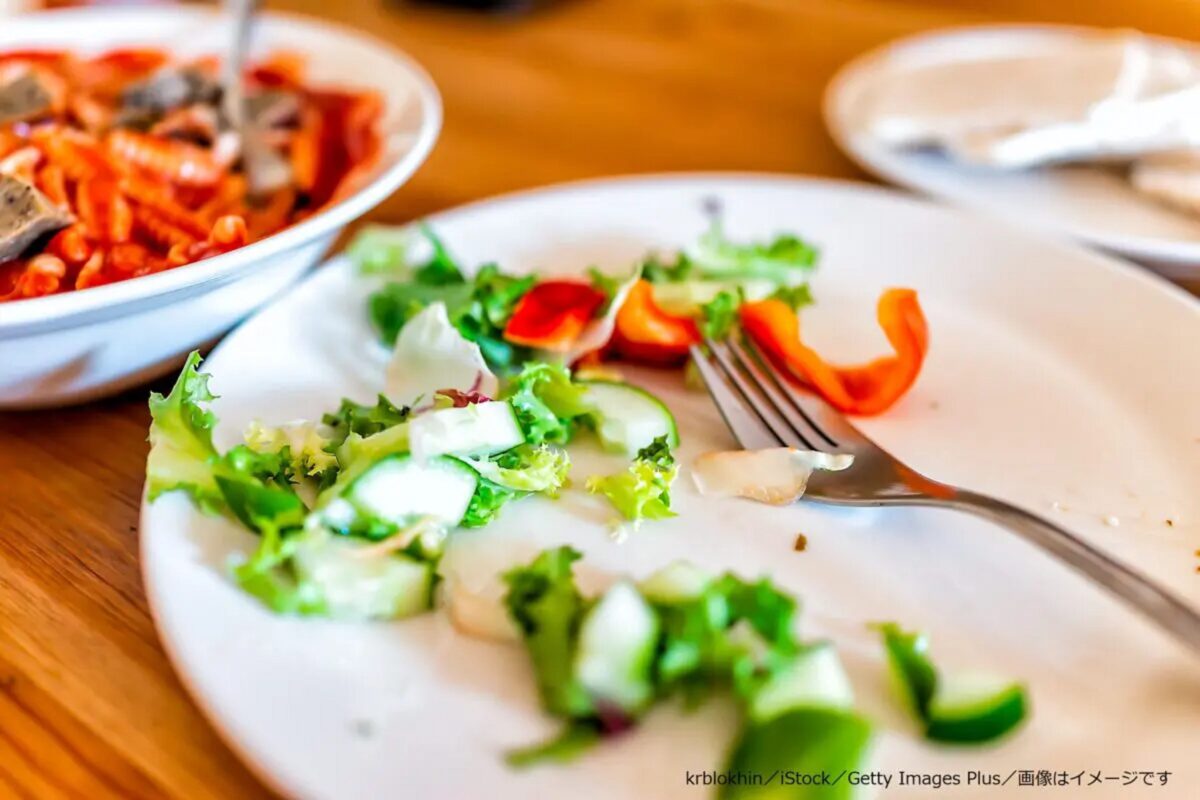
(1095, 205)
(1054, 375)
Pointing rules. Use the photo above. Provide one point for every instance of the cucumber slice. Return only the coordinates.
(802, 742)
(359, 453)
(616, 649)
(677, 582)
(912, 672)
(399, 489)
(358, 586)
(975, 708)
(628, 418)
(815, 679)
(479, 429)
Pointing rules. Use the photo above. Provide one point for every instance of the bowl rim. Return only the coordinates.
(76, 308)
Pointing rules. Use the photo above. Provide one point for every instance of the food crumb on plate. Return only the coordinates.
(801, 543)
(1112, 521)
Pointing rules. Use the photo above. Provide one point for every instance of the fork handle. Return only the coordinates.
(1143, 594)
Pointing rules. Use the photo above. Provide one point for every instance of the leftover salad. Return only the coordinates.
(492, 377)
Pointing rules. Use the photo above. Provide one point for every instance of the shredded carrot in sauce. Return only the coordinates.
(134, 146)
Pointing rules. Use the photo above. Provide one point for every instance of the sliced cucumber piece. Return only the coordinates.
(805, 742)
(628, 418)
(814, 679)
(359, 585)
(616, 649)
(479, 429)
(912, 672)
(359, 453)
(677, 582)
(975, 708)
(399, 489)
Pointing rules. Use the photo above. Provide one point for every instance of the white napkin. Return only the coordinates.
(1100, 97)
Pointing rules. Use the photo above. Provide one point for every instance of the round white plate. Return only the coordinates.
(1093, 204)
(1054, 376)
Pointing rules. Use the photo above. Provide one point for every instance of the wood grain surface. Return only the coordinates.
(89, 705)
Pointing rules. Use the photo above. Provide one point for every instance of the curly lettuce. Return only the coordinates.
(526, 468)
(681, 631)
(309, 451)
(363, 420)
(515, 473)
(786, 259)
(644, 490)
(383, 250)
(181, 445)
(719, 316)
(312, 571)
(547, 402)
(543, 600)
(478, 307)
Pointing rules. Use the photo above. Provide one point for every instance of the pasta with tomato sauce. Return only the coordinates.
(122, 165)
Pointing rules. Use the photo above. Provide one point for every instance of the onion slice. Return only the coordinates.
(776, 475)
(476, 613)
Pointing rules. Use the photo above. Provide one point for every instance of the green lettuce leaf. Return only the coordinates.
(575, 739)
(608, 284)
(515, 473)
(362, 420)
(719, 316)
(785, 259)
(442, 269)
(269, 576)
(526, 468)
(391, 306)
(181, 445)
(257, 488)
(382, 250)
(644, 490)
(546, 605)
(497, 294)
(797, 297)
(308, 451)
(486, 503)
(656, 269)
(312, 571)
(734, 633)
(547, 402)
(479, 308)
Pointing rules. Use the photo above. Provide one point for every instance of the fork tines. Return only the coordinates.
(761, 407)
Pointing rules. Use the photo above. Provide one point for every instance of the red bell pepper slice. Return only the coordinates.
(866, 389)
(552, 314)
(646, 333)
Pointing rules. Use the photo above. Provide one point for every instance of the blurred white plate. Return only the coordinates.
(1082, 391)
(76, 346)
(1093, 204)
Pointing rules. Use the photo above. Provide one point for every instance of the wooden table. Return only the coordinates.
(89, 706)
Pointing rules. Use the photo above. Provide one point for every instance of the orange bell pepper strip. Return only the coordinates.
(552, 314)
(866, 389)
(644, 332)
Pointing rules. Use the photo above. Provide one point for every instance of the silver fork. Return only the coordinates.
(762, 409)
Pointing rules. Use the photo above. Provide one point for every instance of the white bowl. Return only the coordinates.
(81, 345)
